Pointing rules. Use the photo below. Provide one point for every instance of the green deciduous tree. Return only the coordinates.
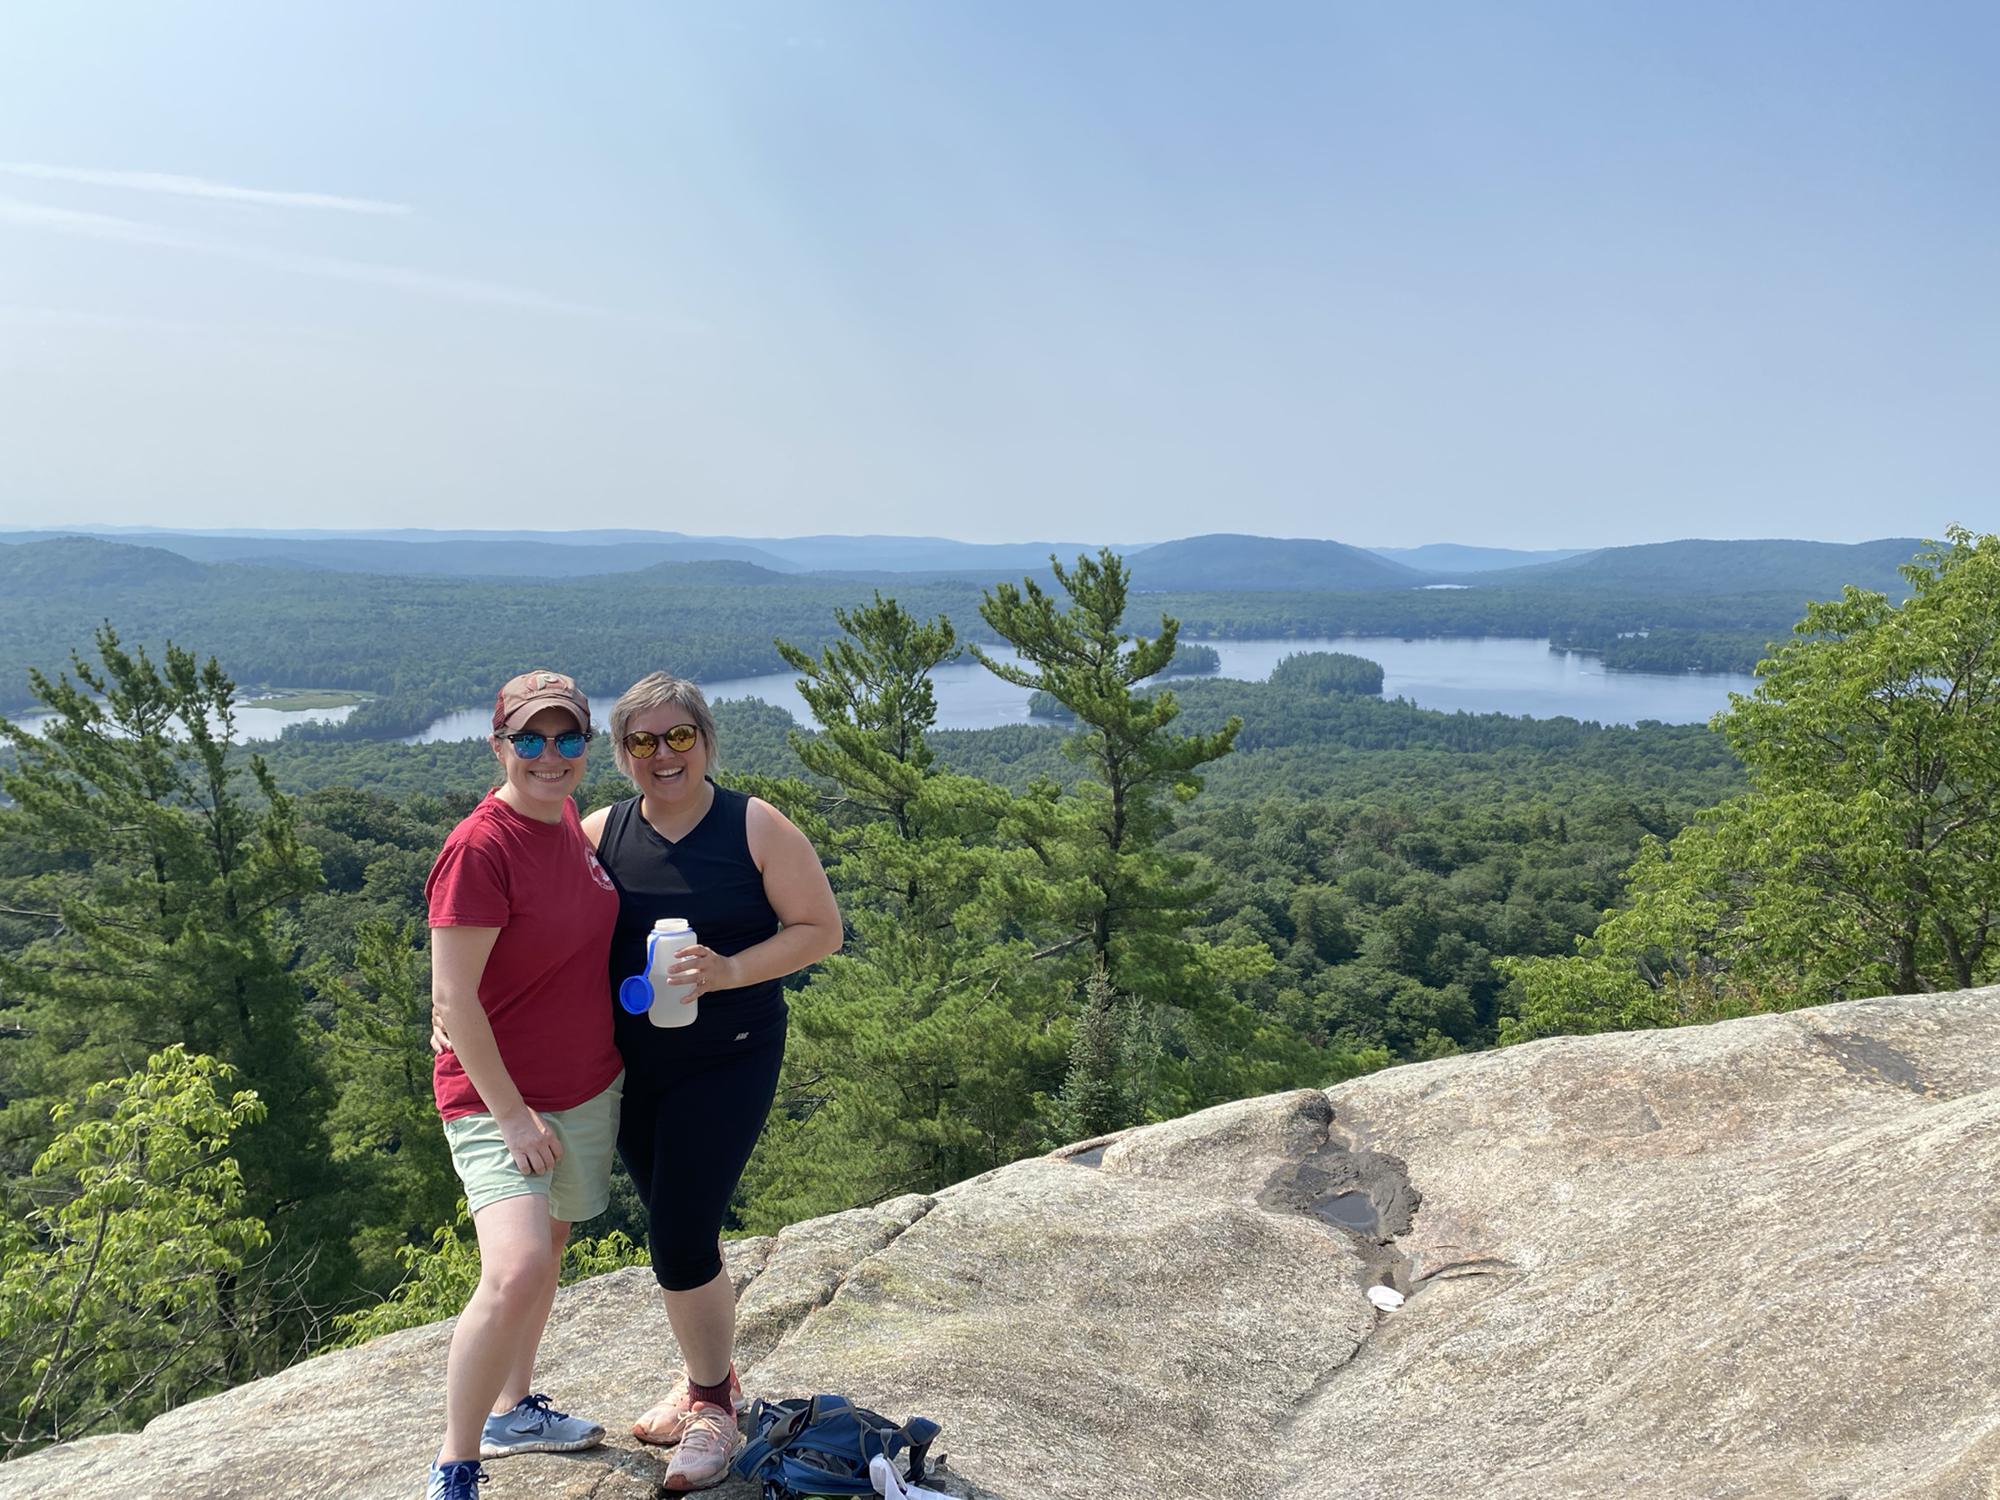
(1866, 857)
(111, 1302)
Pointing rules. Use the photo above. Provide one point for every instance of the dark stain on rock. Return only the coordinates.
(1091, 1157)
(1867, 1057)
(1365, 1192)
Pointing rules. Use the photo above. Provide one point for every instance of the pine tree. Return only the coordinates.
(926, 1051)
(872, 698)
(1140, 900)
(1130, 898)
(384, 1125)
(154, 877)
(1098, 1094)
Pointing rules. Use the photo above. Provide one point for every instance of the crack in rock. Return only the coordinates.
(841, 1280)
(1458, 1267)
(1366, 1197)
(808, 1264)
(747, 1259)
(625, 1471)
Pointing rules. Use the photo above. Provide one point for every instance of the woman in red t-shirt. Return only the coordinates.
(521, 915)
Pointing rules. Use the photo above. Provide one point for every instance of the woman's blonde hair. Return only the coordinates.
(658, 690)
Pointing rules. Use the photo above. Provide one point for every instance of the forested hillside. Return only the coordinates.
(426, 645)
(1450, 557)
(1821, 569)
(1200, 564)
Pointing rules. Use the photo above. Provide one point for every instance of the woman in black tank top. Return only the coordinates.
(696, 1096)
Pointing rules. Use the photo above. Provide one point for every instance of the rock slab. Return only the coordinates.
(1751, 1261)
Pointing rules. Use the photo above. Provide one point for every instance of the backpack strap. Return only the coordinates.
(919, 1433)
(775, 1425)
(880, 1435)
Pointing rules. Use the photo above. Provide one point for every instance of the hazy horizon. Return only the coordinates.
(444, 534)
(1549, 277)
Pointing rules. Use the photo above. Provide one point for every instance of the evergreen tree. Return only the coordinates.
(1139, 900)
(384, 1127)
(1099, 1093)
(1131, 899)
(925, 1052)
(871, 695)
(155, 877)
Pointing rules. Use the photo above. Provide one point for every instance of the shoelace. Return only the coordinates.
(706, 1437)
(542, 1409)
(462, 1482)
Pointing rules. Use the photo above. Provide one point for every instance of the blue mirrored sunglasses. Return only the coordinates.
(528, 744)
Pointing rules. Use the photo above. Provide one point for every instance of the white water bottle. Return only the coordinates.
(649, 991)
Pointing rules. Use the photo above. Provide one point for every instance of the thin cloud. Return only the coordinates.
(95, 226)
(24, 316)
(198, 187)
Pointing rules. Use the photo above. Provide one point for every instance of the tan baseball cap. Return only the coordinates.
(527, 695)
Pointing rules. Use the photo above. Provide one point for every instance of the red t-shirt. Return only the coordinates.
(547, 983)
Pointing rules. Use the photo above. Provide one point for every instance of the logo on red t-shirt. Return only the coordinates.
(597, 870)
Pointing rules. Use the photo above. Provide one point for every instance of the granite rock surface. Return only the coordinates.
(1758, 1259)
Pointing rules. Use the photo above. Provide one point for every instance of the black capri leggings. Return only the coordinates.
(685, 1133)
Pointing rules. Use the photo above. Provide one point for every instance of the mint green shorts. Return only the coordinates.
(578, 1188)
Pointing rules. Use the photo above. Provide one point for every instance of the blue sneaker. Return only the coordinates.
(534, 1426)
(457, 1480)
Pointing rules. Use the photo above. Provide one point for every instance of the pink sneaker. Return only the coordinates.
(663, 1425)
(709, 1440)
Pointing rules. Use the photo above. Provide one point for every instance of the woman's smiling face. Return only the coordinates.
(667, 775)
(537, 787)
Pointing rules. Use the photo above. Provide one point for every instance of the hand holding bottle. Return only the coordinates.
(704, 969)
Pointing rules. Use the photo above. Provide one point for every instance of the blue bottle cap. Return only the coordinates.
(636, 995)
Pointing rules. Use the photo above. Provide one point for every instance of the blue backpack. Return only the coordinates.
(823, 1446)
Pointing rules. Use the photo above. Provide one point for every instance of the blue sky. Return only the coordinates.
(1527, 274)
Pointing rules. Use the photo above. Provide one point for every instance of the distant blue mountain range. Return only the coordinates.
(1220, 562)
(578, 553)
(1449, 557)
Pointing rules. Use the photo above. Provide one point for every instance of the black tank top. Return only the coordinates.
(709, 879)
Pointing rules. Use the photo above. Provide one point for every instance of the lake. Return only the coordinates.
(1491, 675)
(254, 720)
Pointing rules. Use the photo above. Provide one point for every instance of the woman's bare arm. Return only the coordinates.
(458, 960)
(796, 886)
